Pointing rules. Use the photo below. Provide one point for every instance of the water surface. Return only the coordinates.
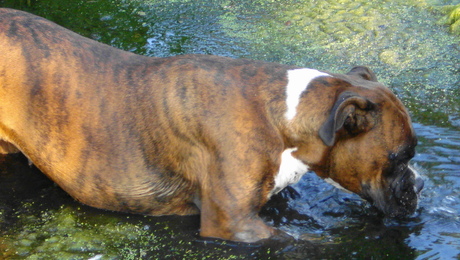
(404, 42)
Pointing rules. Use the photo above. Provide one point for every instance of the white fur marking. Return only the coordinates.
(298, 81)
(335, 184)
(416, 178)
(290, 172)
(416, 174)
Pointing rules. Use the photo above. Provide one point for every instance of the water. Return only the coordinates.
(404, 42)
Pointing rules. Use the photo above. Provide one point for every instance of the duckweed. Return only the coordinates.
(454, 19)
(71, 232)
(401, 40)
(58, 233)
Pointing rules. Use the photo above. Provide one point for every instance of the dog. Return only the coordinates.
(196, 134)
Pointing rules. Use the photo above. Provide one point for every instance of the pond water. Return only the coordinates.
(405, 42)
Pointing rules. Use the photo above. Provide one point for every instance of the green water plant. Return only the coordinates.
(452, 18)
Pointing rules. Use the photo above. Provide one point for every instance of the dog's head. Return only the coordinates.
(365, 141)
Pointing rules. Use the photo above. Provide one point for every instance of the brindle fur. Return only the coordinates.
(178, 135)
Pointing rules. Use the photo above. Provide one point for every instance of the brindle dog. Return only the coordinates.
(196, 133)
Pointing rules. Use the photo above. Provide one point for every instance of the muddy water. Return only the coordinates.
(405, 42)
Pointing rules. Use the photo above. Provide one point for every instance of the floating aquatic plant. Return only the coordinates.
(454, 19)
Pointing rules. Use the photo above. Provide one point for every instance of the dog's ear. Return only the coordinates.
(363, 72)
(351, 112)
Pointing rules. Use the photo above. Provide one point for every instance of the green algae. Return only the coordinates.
(71, 232)
(411, 52)
(54, 234)
(453, 19)
(400, 40)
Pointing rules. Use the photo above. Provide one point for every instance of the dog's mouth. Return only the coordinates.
(398, 196)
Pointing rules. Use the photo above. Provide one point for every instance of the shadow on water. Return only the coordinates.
(404, 43)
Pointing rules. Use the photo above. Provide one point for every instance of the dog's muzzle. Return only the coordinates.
(399, 194)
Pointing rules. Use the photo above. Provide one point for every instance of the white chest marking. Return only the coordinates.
(298, 81)
(290, 172)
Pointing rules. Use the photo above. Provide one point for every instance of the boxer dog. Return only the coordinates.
(196, 133)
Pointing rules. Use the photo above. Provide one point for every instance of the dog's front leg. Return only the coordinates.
(232, 196)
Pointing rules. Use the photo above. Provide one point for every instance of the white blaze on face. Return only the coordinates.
(298, 81)
(290, 171)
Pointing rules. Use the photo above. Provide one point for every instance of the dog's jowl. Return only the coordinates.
(195, 134)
